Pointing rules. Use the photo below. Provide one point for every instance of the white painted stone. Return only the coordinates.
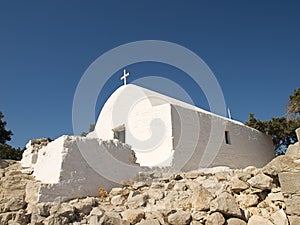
(164, 131)
(65, 174)
(30, 155)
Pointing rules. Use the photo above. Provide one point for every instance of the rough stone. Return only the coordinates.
(242, 175)
(5, 217)
(37, 219)
(112, 218)
(97, 211)
(149, 222)
(201, 199)
(19, 217)
(12, 187)
(43, 209)
(137, 201)
(292, 206)
(225, 193)
(259, 220)
(117, 200)
(192, 175)
(196, 223)
(133, 215)
(199, 215)
(179, 218)
(276, 196)
(293, 150)
(116, 191)
(94, 220)
(175, 200)
(95, 216)
(215, 218)
(14, 204)
(155, 215)
(84, 206)
(179, 186)
(294, 220)
(213, 185)
(32, 191)
(247, 200)
(280, 164)
(138, 185)
(63, 210)
(225, 203)
(279, 218)
(290, 182)
(238, 185)
(261, 181)
(55, 220)
(298, 133)
(155, 194)
(235, 221)
(252, 170)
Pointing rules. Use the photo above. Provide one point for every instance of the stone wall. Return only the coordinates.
(212, 196)
(70, 167)
(287, 168)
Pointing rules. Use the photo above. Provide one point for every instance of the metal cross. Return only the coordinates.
(125, 75)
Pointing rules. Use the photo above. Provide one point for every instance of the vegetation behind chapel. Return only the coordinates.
(281, 129)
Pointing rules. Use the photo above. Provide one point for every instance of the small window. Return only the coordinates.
(227, 138)
(119, 133)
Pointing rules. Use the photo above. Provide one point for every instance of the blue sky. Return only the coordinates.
(252, 47)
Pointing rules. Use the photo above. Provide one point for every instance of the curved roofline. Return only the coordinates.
(175, 102)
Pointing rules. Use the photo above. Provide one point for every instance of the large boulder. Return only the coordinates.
(259, 220)
(294, 150)
(283, 163)
(215, 218)
(226, 204)
(179, 218)
(290, 182)
(261, 181)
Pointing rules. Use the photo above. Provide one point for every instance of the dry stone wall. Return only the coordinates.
(213, 196)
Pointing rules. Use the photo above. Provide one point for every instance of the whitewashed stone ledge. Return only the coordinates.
(61, 172)
(29, 157)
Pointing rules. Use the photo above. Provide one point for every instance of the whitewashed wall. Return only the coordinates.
(248, 146)
(147, 121)
(65, 173)
(178, 133)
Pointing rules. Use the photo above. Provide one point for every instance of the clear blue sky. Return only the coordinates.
(253, 48)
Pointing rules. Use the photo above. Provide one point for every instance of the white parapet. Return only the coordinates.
(73, 167)
(30, 155)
